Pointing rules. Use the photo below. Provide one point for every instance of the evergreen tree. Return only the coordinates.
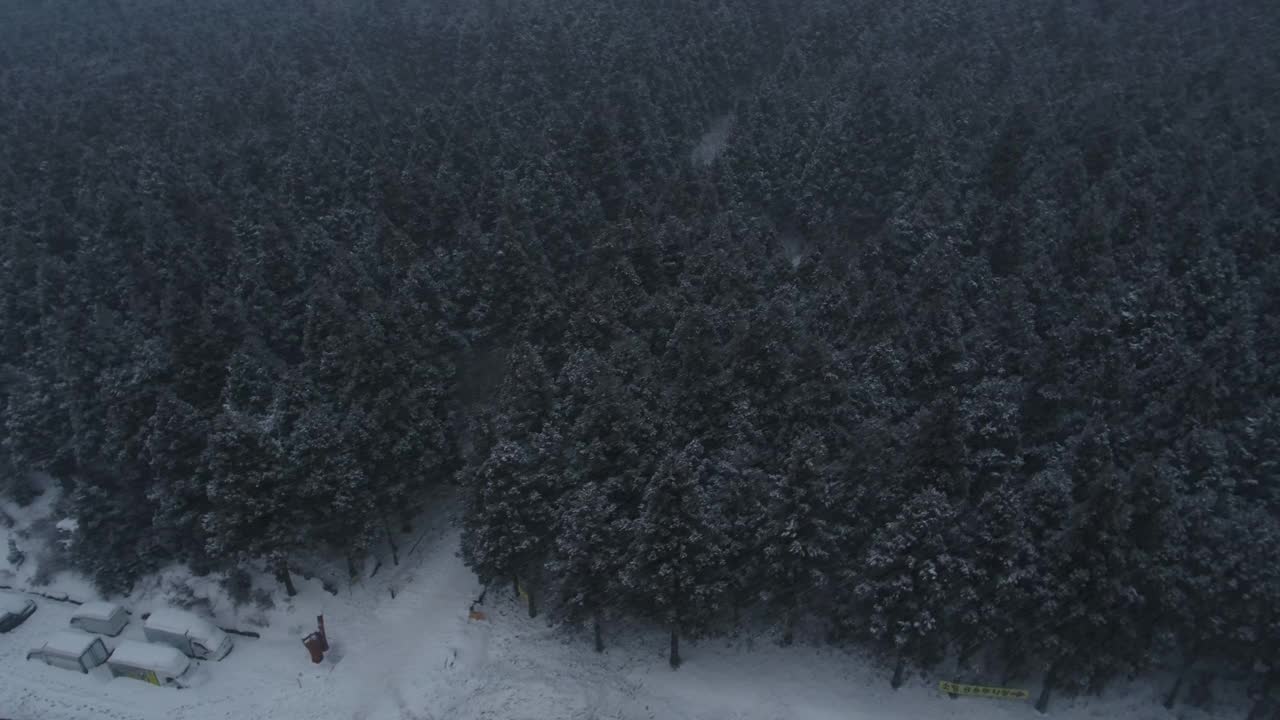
(511, 516)
(801, 534)
(904, 589)
(592, 537)
(675, 566)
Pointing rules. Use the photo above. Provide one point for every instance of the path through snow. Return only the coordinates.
(417, 657)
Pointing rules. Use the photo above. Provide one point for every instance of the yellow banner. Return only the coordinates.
(980, 691)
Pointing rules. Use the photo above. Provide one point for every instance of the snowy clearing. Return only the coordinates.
(417, 656)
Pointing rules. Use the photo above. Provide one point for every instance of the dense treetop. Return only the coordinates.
(951, 326)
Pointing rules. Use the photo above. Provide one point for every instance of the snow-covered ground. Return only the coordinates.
(418, 656)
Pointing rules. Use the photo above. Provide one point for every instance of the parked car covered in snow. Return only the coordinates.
(193, 635)
(14, 609)
(149, 662)
(103, 618)
(71, 650)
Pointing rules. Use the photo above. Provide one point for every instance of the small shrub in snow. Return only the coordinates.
(42, 577)
(239, 586)
(49, 562)
(181, 595)
(262, 599)
(15, 557)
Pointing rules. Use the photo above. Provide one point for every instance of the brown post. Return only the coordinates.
(674, 659)
(282, 572)
(324, 637)
(312, 643)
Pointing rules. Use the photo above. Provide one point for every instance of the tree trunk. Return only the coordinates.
(351, 567)
(1172, 697)
(391, 540)
(899, 673)
(789, 630)
(1259, 709)
(962, 665)
(595, 621)
(1042, 705)
(1014, 662)
(533, 604)
(515, 586)
(675, 647)
(675, 621)
(282, 571)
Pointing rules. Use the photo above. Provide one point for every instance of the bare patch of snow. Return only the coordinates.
(793, 245)
(713, 141)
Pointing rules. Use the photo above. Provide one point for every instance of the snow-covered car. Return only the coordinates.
(71, 650)
(103, 618)
(14, 609)
(190, 633)
(149, 662)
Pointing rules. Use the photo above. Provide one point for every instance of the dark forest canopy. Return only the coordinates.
(964, 341)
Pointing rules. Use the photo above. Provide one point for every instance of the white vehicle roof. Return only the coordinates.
(182, 622)
(97, 610)
(69, 642)
(10, 603)
(148, 656)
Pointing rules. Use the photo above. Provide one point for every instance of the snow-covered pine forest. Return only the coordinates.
(937, 328)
